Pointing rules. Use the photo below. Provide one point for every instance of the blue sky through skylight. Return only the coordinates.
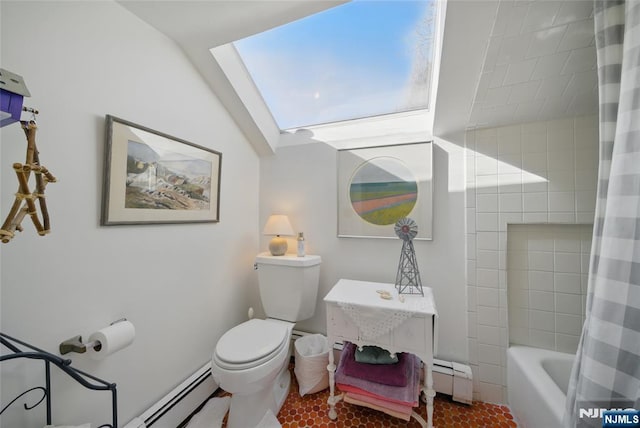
(360, 59)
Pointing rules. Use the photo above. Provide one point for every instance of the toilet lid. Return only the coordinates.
(250, 341)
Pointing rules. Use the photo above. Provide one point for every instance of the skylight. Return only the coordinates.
(361, 59)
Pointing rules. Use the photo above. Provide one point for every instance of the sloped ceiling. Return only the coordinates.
(526, 61)
(502, 61)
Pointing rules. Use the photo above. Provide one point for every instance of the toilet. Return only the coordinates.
(251, 361)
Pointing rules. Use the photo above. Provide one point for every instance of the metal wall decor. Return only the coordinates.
(408, 276)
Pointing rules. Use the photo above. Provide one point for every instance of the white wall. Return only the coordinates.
(532, 173)
(300, 181)
(181, 285)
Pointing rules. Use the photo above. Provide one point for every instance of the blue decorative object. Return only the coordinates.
(12, 92)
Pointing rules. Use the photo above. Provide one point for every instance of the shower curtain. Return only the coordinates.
(606, 372)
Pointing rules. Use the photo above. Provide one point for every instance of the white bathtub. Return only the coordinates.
(537, 381)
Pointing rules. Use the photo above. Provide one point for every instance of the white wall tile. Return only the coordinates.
(518, 261)
(488, 316)
(487, 222)
(487, 203)
(578, 35)
(491, 373)
(568, 324)
(536, 163)
(486, 165)
(510, 183)
(487, 240)
(560, 160)
(561, 181)
(562, 217)
(519, 317)
(541, 260)
(490, 393)
(518, 279)
(532, 183)
(504, 219)
(562, 201)
(487, 259)
(566, 243)
(510, 202)
(473, 351)
(487, 278)
(560, 137)
(472, 328)
(585, 201)
(541, 320)
(568, 304)
(471, 220)
(541, 300)
(545, 42)
(471, 245)
(518, 298)
(535, 217)
(584, 217)
(535, 202)
(541, 281)
(586, 179)
(567, 262)
(519, 72)
(471, 196)
(487, 184)
(488, 297)
(519, 335)
(542, 339)
(567, 343)
(488, 335)
(567, 283)
(489, 354)
(510, 163)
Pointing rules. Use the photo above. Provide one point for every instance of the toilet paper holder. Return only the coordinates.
(75, 344)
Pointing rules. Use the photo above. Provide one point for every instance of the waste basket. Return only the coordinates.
(311, 360)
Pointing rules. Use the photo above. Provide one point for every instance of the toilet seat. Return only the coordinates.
(250, 344)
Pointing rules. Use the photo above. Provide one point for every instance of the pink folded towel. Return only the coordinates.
(402, 414)
(386, 374)
(399, 394)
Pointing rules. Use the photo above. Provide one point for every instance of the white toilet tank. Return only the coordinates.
(288, 285)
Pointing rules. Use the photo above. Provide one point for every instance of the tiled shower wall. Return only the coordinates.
(547, 266)
(533, 173)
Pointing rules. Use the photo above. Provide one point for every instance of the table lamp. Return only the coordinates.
(278, 225)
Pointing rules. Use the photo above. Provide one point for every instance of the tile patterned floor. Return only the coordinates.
(310, 411)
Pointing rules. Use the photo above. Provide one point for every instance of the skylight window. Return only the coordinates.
(361, 59)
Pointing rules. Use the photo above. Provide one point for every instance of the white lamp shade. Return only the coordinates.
(278, 225)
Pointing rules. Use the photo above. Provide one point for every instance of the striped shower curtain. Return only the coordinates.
(606, 372)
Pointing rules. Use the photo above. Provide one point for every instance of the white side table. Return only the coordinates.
(406, 323)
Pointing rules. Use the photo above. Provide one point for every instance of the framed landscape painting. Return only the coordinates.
(377, 186)
(151, 177)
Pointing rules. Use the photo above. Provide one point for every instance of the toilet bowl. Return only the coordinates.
(251, 361)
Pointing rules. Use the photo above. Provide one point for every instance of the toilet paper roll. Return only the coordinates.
(112, 339)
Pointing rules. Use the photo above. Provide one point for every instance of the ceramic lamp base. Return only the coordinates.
(278, 246)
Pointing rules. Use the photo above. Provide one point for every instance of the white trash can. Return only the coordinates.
(311, 361)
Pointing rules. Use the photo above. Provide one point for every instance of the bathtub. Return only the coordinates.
(537, 381)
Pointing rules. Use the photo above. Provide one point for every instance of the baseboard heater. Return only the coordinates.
(453, 379)
(177, 405)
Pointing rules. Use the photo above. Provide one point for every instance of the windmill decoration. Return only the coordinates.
(408, 276)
